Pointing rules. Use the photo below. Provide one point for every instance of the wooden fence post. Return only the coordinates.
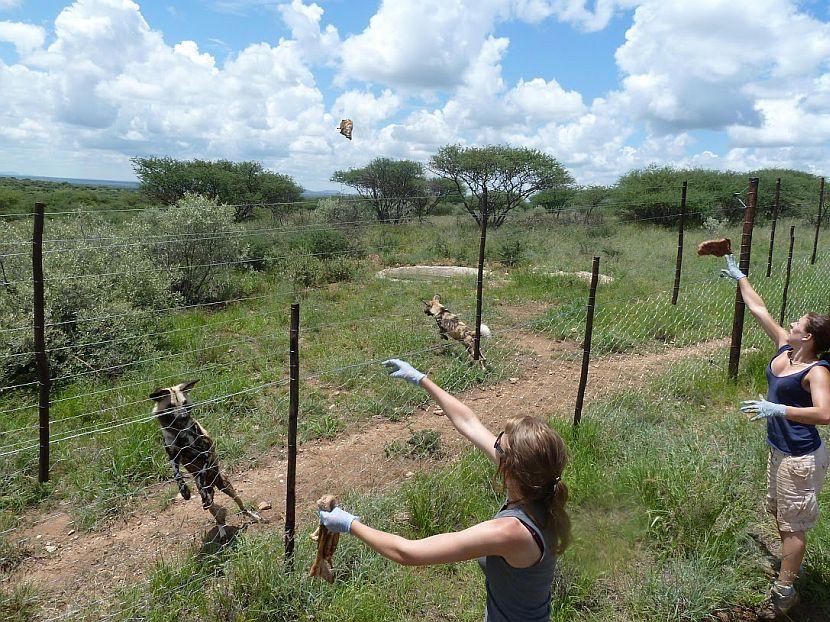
(41, 357)
(740, 307)
(818, 220)
(787, 277)
(775, 209)
(678, 266)
(293, 411)
(480, 282)
(586, 345)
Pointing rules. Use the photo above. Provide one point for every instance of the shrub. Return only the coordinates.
(195, 245)
(98, 287)
(345, 212)
(305, 271)
(512, 252)
(323, 243)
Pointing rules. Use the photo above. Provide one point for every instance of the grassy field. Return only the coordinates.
(665, 482)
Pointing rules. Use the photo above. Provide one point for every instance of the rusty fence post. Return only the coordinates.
(787, 277)
(740, 307)
(293, 411)
(586, 344)
(482, 244)
(818, 220)
(776, 208)
(39, 325)
(678, 266)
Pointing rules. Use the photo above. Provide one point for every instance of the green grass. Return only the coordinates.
(666, 488)
(348, 327)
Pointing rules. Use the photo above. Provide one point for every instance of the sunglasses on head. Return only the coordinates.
(497, 445)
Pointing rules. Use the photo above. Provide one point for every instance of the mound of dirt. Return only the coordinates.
(408, 273)
(602, 279)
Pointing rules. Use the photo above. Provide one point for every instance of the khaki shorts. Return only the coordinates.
(793, 484)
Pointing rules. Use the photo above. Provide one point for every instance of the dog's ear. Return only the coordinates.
(184, 387)
(159, 394)
(437, 298)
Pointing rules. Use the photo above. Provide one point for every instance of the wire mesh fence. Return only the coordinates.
(107, 454)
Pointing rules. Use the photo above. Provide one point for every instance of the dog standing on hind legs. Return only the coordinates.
(450, 324)
(189, 445)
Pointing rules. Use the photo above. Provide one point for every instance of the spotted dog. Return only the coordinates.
(450, 324)
(190, 446)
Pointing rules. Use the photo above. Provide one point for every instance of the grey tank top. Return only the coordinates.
(519, 594)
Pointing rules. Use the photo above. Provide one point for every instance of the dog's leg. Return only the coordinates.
(177, 474)
(219, 513)
(226, 487)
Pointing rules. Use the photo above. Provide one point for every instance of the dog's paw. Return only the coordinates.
(252, 515)
(184, 491)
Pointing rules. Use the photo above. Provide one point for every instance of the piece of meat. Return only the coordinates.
(718, 248)
(326, 543)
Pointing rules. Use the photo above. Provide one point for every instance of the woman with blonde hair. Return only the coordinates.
(797, 401)
(518, 547)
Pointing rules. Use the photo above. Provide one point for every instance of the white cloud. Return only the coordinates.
(24, 37)
(304, 22)
(9, 4)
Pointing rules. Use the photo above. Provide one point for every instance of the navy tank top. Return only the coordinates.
(791, 437)
(519, 594)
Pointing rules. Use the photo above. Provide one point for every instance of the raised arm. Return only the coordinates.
(460, 415)
(754, 303)
(500, 536)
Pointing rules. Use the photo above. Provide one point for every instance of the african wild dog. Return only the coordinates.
(188, 445)
(450, 324)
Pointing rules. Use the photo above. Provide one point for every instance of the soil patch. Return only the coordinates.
(408, 273)
(122, 553)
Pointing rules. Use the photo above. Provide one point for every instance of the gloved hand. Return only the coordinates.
(732, 270)
(763, 408)
(404, 370)
(338, 520)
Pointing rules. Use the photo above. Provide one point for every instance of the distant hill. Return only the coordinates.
(132, 185)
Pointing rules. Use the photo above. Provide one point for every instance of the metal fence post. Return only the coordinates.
(818, 220)
(775, 209)
(293, 411)
(42, 359)
(480, 282)
(787, 277)
(679, 263)
(586, 345)
(740, 307)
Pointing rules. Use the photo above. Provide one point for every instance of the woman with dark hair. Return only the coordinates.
(517, 548)
(797, 401)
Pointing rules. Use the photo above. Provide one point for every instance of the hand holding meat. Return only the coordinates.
(732, 270)
(338, 520)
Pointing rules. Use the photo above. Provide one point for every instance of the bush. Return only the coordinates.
(196, 245)
(512, 252)
(97, 291)
(345, 212)
(305, 271)
(323, 243)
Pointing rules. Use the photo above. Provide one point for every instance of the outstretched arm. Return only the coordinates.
(460, 415)
(463, 418)
(500, 536)
(754, 303)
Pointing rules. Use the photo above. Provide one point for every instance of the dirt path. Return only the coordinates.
(122, 553)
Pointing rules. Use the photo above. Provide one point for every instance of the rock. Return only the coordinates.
(513, 380)
(409, 474)
(50, 548)
(70, 532)
(439, 411)
(265, 505)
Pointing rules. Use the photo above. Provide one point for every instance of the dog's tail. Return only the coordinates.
(485, 331)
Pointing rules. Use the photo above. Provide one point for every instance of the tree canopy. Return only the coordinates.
(497, 179)
(243, 184)
(397, 190)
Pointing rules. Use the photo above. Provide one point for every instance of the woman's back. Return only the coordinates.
(520, 594)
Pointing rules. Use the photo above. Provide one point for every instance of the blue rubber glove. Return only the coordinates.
(338, 520)
(404, 370)
(763, 409)
(732, 270)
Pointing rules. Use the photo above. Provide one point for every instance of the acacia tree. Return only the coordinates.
(243, 184)
(498, 178)
(396, 189)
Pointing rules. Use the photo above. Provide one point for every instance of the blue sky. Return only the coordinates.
(605, 87)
